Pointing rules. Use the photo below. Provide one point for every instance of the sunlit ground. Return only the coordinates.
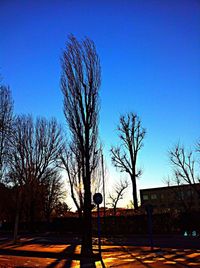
(62, 255)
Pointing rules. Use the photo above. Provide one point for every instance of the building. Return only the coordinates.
(164, 199)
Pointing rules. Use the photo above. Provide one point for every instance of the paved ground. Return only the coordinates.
(53, 251)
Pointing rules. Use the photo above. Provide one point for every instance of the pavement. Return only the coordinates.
(64, 251)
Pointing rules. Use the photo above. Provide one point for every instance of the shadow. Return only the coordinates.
(55, 239)
(90, 261)
(180, 255)
(102, 264)
(126, 254)
(119, 256)
(63, 258)
(38, 254)
(69, 251)
(135, 257)
(161, 241)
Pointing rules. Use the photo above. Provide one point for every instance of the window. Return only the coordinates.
(181, 195)
(153, 196)
(189, 193)
(145, 197)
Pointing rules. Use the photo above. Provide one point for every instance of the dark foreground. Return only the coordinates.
(58, 251)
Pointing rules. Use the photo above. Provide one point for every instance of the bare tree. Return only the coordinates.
(117, 194)
(184, 166)
(80, 83)
(6, 114)
(62, 209)
(198, 147)
(124, 157)
(34, 148)
(70, 162)
(72, 165)
(51, 193)
(178, 193)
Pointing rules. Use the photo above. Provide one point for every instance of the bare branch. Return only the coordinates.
(184, 166)
(118, 193)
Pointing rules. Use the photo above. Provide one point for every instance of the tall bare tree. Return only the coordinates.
(34, 148)
(184, 166)
(80, 83)
(6, 115)
(124, 157)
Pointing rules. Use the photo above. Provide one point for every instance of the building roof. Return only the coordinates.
(170, 186)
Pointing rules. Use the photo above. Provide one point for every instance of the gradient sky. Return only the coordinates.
(150, 58)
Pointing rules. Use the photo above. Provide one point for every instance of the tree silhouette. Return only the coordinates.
(34, 148)
(80, 83)
(124, 157)
(61, 209)
(117, 194)
(198, 147)
(51, 193)
(71, 163)
(6, 115)
(184, 166)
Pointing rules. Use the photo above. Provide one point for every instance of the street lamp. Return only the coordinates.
(98, 200)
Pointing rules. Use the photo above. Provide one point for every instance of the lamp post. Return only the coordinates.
(98, 200)
(149, 210)
(103, 177)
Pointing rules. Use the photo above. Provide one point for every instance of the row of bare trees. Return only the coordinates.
(28, 161)
(33, 151)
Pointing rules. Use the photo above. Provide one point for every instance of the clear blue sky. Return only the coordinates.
(150, 58)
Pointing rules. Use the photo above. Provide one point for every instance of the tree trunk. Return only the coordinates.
(135, 200)
(32, 214)
(115, 217)
(87, 224)
(80, 214)
(87, 214)
(16, 226)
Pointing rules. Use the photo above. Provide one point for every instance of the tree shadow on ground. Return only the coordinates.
(147, 258)
(66, 256)
(162, 241)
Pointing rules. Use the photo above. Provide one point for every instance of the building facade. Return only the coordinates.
(164, 199)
